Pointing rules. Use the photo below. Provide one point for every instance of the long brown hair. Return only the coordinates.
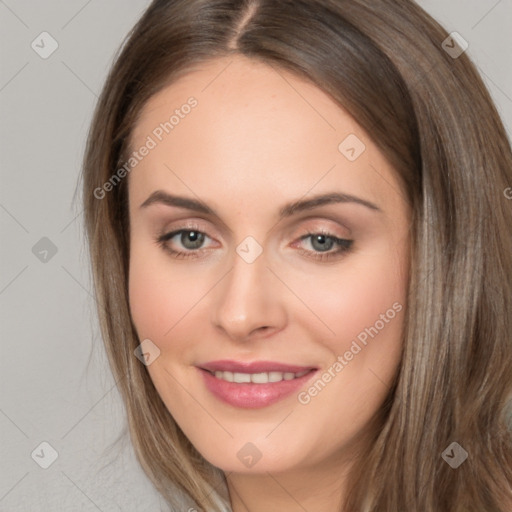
(429, 112)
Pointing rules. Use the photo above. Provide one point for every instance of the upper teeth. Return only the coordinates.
(258, 378)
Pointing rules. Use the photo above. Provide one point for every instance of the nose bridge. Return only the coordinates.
(248, 298)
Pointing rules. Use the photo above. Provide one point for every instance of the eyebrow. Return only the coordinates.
(161, 197)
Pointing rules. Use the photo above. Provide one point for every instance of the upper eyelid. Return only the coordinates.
(305, 232)
(197, 225)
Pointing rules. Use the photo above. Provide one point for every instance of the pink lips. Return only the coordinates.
(226, 365)
(251, 395)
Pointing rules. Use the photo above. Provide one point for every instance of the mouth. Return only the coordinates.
(253, 385)
(257, 378)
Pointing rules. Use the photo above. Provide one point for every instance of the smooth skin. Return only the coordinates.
(258, 139)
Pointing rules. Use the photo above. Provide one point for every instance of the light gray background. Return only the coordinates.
(49, 392)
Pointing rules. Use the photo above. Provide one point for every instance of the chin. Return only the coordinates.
(254, 458)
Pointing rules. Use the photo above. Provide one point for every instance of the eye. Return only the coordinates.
(322, 243)
(192, 240)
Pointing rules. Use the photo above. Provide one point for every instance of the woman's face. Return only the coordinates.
(269, 244)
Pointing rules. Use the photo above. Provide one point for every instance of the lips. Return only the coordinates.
(253, 384)
(226, 365)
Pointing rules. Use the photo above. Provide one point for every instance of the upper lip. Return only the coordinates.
(226, 365)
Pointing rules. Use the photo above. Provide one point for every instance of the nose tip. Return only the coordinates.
(242, 329)
(246, 304)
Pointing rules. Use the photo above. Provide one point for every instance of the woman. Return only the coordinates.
(301, 242)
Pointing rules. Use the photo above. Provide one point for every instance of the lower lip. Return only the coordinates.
(253, 396)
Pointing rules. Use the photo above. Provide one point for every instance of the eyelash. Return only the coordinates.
(344, 245)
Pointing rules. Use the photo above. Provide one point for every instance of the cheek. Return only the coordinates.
(147, 296)
(364, 304)
(157, 299)
(368, 292)
(168, 304)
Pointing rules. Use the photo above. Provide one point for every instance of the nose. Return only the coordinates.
(248, 302)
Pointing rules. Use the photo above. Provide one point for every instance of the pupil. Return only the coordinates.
(192, 239)
(322, 241)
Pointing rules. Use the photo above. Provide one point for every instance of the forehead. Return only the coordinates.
(250, 95)
(254, 127)
(242, 82)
